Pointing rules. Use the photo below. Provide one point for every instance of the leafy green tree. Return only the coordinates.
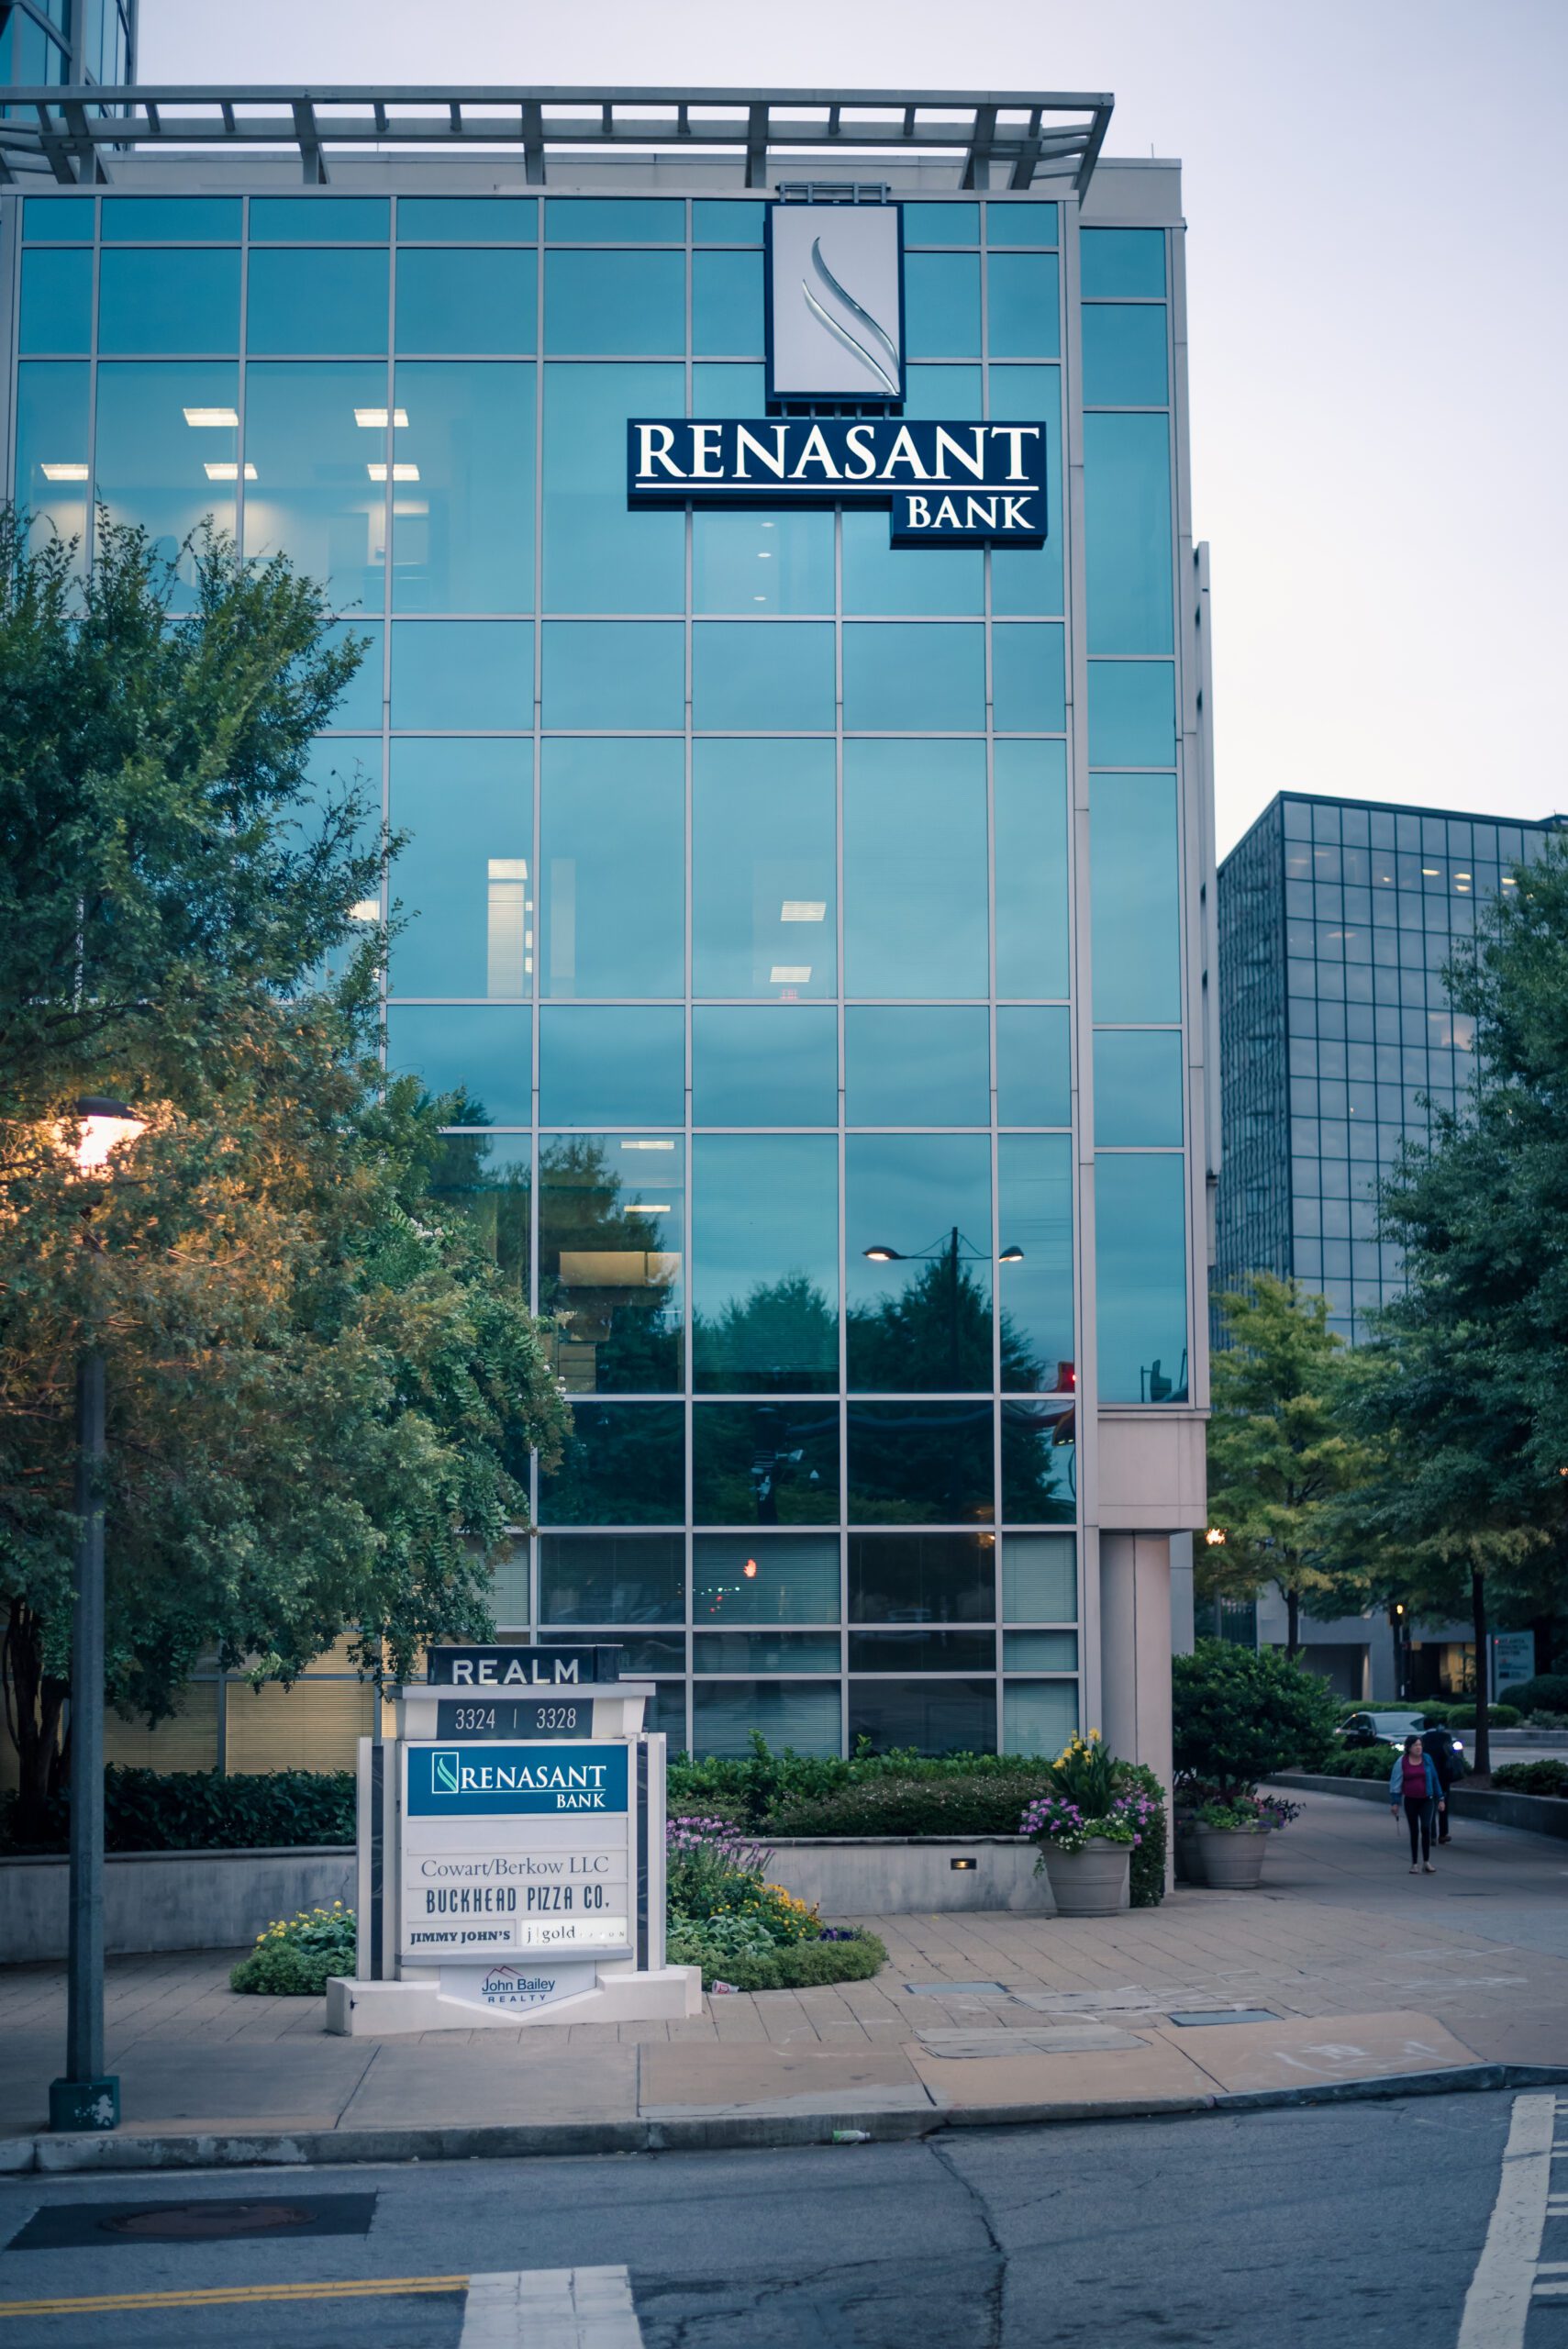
(322, 1395)
(1242, 1713)
(1282, 1452)
(1466, 1385)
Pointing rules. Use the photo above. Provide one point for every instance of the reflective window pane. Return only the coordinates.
(597, 556)
(599, 1066)
(477, 675)
(174, 219)
(1134, 888)
(755, 1067)
(941, 224)
(786, 1578)
(611, 1254)
(1028, 223)
(611, 855)
(1138, 1087)
(1124, 355)
(309, 300)
(1038, 1717)
(1032, 941)
(727, 223)
(56, 301)
(1028, 579)
(479, 1051)
(1114, 263)
(915, 883)
(624, 1464)
(53, 440)
(761, 563)
(462, 519)
(766, 1464)
(766, 1263)
(1039, 1651)
(360, 706)
(765, 1651)
(804, 1715)
(1024, 292)
(914, 679)
(465, 876)
(313, 496)
(167, 453)
(468, 220)
(1039, 1461)
(763, 892)
(1034, 1287)
(1132, 714)
(610, 302)
(1126, 510)
(604, 674)
(510, 1596)
(919, 1463)
(1028, 679)
(466, 300)
(319, 220)
(727, 304)
(59, 217)
(154, 302)
(1141, 1258)
(931, 1716)
(927, 1064)
(918, 1263)
(922, 1651)
(1039, 1578)
(612, 1578)
(629, 220)
(882, 578)
(487, 1179)
(728, 388)
(941, 305)
(1034, 1068)
(922, 1577)
(763, 675)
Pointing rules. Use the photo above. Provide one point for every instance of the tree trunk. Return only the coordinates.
(35, 1704)
(1292, 1624)
(1483, 1722)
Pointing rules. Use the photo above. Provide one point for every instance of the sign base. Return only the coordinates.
(390, 2009)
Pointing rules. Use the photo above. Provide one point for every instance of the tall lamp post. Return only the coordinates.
(951, 1252)
(88, 2097)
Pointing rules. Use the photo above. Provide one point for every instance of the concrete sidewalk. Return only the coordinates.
(1362, 1976)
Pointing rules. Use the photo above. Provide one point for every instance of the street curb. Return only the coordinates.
(86, 2154)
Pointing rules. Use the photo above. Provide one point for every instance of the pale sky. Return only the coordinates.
(1376, 194)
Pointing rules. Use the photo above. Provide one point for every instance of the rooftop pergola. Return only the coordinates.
(1015, 138)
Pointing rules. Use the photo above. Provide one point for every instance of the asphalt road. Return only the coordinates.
(1360, 2223)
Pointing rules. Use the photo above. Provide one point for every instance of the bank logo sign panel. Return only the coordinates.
(835, 314)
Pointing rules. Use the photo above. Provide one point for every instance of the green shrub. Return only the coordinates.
(1547, 1693)
(1548, 1777)
(1500, 1716)
(1242, 1714)
(957, 1805)
(1359, 1762)
(795, 1965)
(294, 1956)
(201, 1810)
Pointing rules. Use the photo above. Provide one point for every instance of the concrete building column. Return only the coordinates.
(1135, 1648)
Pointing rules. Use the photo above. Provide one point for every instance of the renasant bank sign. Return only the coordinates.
(836, 336)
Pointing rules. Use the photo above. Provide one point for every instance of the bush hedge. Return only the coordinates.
(1547, 1693)
(197, 1810)
(1359, 1762)
(1500, 1716)
(1243, 1713)
(1547, 1777)
(296, 1956)
(794, 1966)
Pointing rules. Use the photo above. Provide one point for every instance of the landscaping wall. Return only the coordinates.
(162, 1900)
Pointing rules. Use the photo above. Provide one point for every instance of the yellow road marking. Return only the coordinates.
(382, 2286)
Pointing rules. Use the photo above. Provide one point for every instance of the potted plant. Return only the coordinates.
(1087, 1827)
(1240, 1715)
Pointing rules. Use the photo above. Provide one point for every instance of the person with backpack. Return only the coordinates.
(1436, 1744)
(1414, 1781)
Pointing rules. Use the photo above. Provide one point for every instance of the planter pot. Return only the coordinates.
(1231, 1858)
(1090, 1883)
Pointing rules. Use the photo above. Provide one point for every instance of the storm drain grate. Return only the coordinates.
(1198, 2016)
(70, 2225)
(958, 1989)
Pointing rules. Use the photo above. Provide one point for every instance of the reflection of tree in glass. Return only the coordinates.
(1040, 1463)
(605, 1277)
(624, 1464)
(933, 1336)
(765, 1464)
(494, 1197)
(780, 1338)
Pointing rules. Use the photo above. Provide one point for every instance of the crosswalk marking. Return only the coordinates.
(1497, 2307)
(220, 2294)
(551, 2307)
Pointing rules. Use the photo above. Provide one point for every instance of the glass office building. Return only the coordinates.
(66, 43)
(1337, 917)
(810, 933)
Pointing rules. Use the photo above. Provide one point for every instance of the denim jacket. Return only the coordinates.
(1397, 1779)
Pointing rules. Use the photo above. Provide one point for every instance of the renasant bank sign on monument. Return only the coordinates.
(835, 310)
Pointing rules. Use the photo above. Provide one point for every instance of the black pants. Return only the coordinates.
(1442, 1819)
(1418, 1820)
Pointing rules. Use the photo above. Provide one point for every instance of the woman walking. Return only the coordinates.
(1414, 1781)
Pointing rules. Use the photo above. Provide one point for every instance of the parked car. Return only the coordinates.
(1390, 1728)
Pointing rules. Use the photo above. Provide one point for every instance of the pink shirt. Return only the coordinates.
(1413, 1778)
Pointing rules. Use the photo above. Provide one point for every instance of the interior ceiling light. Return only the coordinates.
(230, 472)
(365, 909)
(651, 1206)
(399, 472)
(648, 1145)
(373, 420)
(64, 473)
(804, 909)
(789, 974)
(212, 419)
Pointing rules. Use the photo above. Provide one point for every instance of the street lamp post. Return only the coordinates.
(950, 1253)
(88, 2097)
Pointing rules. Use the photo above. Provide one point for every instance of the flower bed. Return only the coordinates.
(744, 1932)
(294, 1957)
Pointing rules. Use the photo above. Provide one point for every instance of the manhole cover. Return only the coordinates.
(201, 2221)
